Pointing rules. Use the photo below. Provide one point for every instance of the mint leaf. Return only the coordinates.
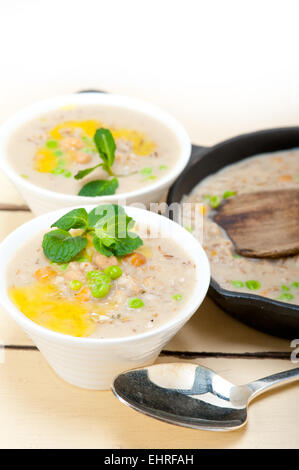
(106, 147)
(59, 246)
(99, 188)
(77, 218)
(86, 172)
(112, 235)
(125, 246)
(117, 247)
(109, 211)
(101, 247)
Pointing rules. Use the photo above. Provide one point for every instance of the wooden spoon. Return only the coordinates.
(264, 224)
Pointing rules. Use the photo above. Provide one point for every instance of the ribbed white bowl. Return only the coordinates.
(90, 362)
(42, 200)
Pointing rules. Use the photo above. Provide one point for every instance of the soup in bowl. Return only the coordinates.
(90, 148)
(101, 289)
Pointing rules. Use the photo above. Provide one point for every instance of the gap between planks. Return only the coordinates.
(187, 354)
(14, 207)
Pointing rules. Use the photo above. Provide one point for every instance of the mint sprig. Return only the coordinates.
(105, 145)
(108, 226)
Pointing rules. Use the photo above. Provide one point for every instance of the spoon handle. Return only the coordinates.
(266, 383)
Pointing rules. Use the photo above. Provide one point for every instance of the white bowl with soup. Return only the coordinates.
(44, 146)
(89, 331)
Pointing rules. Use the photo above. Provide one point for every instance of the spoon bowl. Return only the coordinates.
(191, 395)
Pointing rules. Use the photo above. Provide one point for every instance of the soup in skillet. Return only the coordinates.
(273, 278)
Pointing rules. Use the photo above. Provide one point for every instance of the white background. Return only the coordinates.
(221, 67)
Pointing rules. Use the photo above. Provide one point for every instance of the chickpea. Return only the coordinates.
(81, 157)
(103, 262)
(71, 143)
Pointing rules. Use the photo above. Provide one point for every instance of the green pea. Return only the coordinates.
(57, 171)
(61, 162)
(295, 284)
(253, 285)
(286, 296)
(113, 272)
(229, 194)
(215, 201)
(67, 174)
(146, 171)
(285, 288)
(237, 283)
(81, 259)
(58, 153)
(52, 144)
(91, 275)
(163, 167)
(100, 290)
(135, 303)
(98, 276)
(62, 266)
(75, 284)
(177, 297)
(87, 150)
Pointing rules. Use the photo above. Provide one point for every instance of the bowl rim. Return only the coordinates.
(285, 307)
(40, 108)
(192, 247)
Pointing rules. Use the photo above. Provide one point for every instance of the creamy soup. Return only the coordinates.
(276, 279)
(50, 150)
(148, 288)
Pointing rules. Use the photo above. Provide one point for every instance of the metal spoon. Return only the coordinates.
(191, 395)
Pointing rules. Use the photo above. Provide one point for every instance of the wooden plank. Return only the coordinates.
(41, 411)
(10, 220)
(8, 192)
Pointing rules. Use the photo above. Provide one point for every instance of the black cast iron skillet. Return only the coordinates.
(271, 316)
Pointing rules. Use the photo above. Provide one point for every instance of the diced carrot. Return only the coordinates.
(44, 274)
(136, 259)
(285, 178)
(83, 295)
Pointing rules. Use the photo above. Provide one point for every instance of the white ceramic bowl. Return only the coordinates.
(42, 200)
(90, 362)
